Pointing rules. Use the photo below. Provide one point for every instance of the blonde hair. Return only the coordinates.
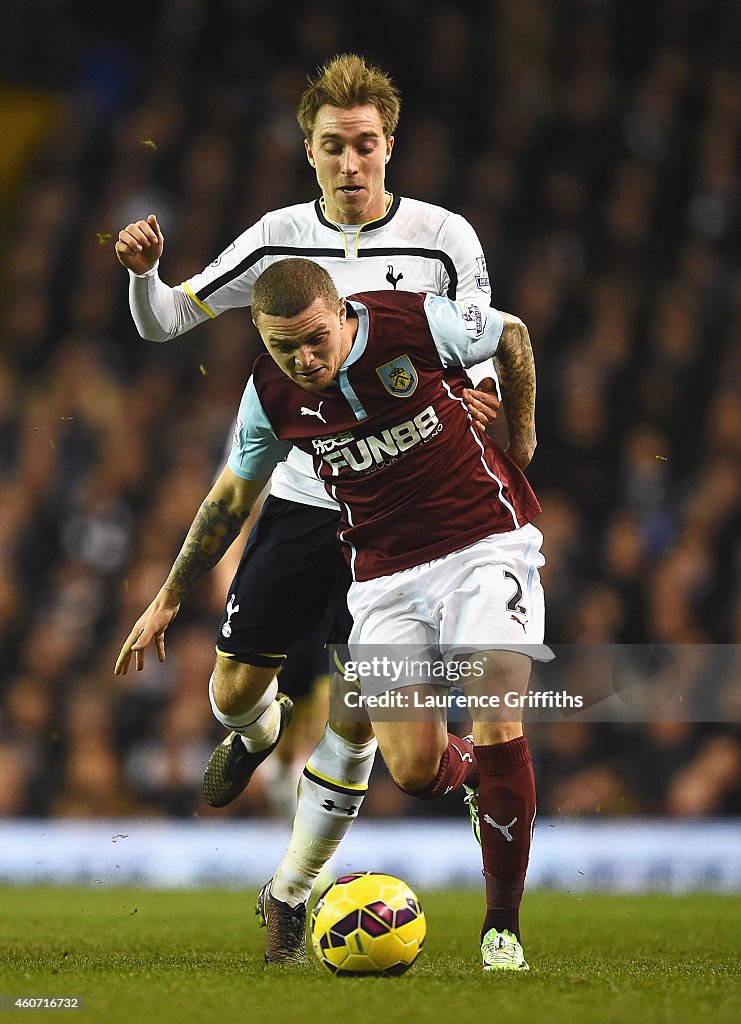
(347, 81)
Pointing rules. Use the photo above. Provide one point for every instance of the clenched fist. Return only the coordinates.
(140, 245)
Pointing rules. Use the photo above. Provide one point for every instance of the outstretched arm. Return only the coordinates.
(159, 311)
(217, 523)
(516, 372)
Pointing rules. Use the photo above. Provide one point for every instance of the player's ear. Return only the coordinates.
(389, 147)
(309, 154)
(342, 311)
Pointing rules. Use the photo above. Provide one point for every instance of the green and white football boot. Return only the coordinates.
(501, 951)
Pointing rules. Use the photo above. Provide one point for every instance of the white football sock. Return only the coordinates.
(259, 725)
(330, 792)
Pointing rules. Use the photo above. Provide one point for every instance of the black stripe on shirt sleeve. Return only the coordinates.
(254, 257)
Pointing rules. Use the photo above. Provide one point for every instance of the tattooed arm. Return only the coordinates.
(217, 523)
(516, 371)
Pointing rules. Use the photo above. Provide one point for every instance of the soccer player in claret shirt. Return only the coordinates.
(435, 525)
(291, 571)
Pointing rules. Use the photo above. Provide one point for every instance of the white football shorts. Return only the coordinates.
(487, 596)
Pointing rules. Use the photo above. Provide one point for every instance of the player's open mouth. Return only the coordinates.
(350, 190)
(306, 374)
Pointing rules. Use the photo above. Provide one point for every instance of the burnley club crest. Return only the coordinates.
(398, 377)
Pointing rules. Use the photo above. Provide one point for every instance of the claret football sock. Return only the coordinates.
(330, 792)
(506, 814)
(259, 725)
(457, 766)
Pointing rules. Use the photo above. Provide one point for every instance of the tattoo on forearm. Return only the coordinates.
(516, 371)
(214, 528)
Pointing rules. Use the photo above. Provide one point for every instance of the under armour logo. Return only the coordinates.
(330, 805)
(504, 829)
(314, 412)
(231, 609)
(390, 277)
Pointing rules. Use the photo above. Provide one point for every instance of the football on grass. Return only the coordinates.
(368, 923)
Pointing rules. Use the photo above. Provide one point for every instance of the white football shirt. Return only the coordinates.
(415, 247)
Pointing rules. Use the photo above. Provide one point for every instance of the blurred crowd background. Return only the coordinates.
(594, 146)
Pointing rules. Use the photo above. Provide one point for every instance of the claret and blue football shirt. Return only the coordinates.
(391, 439)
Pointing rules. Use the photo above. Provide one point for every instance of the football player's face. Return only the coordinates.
(349, 152)
(309, 348)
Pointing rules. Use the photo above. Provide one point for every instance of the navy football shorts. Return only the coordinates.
(292, 580)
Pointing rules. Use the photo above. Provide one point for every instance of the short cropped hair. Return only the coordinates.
(288, 287)
(347, 81)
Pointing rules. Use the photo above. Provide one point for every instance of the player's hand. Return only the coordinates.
(482, 403)
(140, 245)
(150, 627)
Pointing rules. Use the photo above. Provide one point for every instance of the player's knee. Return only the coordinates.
(412, 770)
(228, 690)
(236, 686)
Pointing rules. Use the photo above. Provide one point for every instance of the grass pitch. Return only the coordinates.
(190, 957)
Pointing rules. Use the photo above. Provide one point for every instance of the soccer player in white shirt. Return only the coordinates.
(366, 239)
